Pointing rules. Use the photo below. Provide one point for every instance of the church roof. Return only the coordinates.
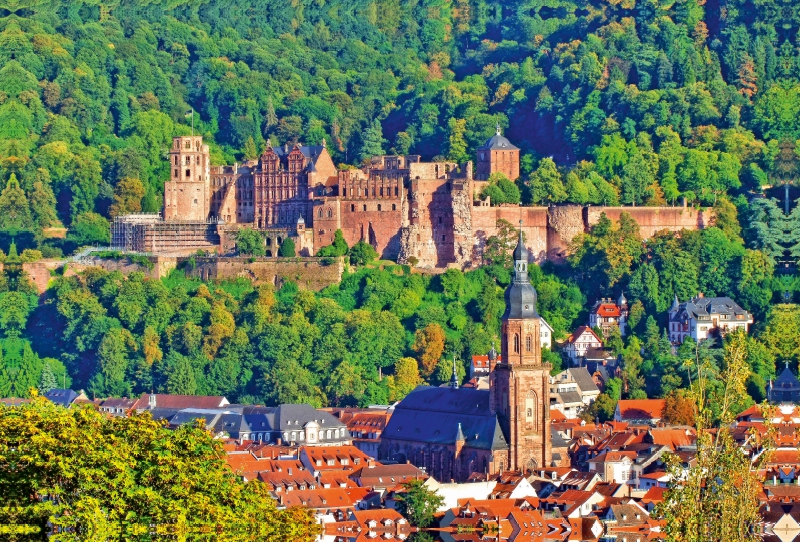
(432, 415)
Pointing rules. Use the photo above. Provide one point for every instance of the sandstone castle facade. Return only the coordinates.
(427, 213)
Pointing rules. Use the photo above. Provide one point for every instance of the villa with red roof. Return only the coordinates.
(607, 314)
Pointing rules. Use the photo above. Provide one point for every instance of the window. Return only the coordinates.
(528, 343)
(379, 206)
(188, 172)
(330, 212)
(394, 207)
(365, 207)
(352, 208)
(319, 213)
(175, 173)
(516, 343)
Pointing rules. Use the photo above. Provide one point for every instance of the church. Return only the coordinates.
(453, 432)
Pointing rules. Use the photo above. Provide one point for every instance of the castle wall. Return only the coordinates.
(534, 226)
(655, 219)
(309, 273)
(375, 221)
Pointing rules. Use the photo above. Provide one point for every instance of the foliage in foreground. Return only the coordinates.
(95, 477)
(723, 484)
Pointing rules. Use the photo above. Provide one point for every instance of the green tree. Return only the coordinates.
(89, 229)
(418, 503)
(362, 253)
(15, 214)
(193, 489)
(722, 483)
(250, 242)
(373, 142)
(48, 380)
(287, 249)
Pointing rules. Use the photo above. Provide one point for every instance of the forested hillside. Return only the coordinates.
(637, 102)
(632, 102)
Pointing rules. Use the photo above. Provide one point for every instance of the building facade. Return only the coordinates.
(422, 213)
(608, 314)
(703, 317)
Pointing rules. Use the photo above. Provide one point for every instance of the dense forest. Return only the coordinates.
(621, 101)
(628, 102)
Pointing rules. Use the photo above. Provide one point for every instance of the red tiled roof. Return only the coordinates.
(580, 331)
(608, 310)
(641, 408)
(654, 495)
(325, 499)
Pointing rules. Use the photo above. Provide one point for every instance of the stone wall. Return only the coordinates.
(549, 231)
(534, 225)
(654, 219)
(308, 273)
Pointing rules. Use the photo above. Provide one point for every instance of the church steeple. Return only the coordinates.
(520, 295)
(519, 382)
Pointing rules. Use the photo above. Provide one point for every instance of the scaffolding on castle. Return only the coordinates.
(149, 232)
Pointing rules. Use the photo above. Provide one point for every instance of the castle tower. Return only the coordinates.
(497, 155)
(187, 194)
(519, 381)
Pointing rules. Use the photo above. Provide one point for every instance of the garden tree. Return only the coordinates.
(88, 229)
(287, 249)
(250, 242)
(337, 248)
(457, 150)
(362, 253)
(545, 184)
(444, 371)
(755, 282)
(406, 378)
(601, 409)
(48, 379)
(429, 344)
(180, 478)
(128, 194)
(417, 503)
(679, 408)
(723, 484)
(500, 190)
(113, 357)
(767, 228)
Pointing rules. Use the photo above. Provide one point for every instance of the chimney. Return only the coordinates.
(699, 295)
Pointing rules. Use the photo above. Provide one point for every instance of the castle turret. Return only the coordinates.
(497, 155)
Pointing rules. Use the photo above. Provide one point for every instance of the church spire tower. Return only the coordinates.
(520, 382)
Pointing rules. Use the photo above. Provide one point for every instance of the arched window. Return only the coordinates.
(516, 343)
(319, 213)
(379, 206)
(330, 212)
(394, 207)
(528, 343)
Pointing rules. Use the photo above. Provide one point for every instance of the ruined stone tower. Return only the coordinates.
(188, 192)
